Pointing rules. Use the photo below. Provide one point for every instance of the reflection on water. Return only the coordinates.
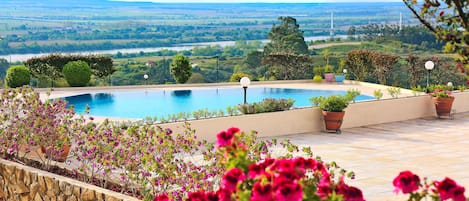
(181, 93)
(104, 97)
(80, 98)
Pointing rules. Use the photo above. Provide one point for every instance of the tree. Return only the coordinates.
(293, 66)
(286, 37)
(3, 67)
(414, 66)
(383, 64)
(17, 76)
(326, 54)
(77, 73)
(450, 22)
(180, 68)
(359, 64)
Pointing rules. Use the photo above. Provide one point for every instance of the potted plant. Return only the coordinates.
(332, 110)
(443, 101)
(318, 71)
(328, 73)
(339, 77)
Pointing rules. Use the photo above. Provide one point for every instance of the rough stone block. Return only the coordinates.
(27, 178)
(24, 197)
(76, 191)
(20, 188)
(34, 187)
(51, 195)
(63, 185)
(112, 198)
(19, 175)
(9, 170)
(38, 197)
(68, 190)
(61, 198)
(88, 195)
(72, 198)
(42, 185)
(52, 185)
(99, 196)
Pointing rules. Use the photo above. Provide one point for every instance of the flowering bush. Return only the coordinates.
(409, 183)
(28, 123)
(269, 179)
(441, 93)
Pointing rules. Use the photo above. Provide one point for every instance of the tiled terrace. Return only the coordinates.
(429, 147)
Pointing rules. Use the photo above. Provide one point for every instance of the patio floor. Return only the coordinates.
(429, 147)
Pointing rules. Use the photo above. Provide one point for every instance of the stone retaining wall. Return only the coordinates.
(23, 183)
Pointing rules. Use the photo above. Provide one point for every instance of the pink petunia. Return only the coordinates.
(262, 192)
(224, 139)
(449, 189)
(289, 192)
(231, 179)
(407, 182)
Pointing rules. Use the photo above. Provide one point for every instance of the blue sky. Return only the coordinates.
(266, 1)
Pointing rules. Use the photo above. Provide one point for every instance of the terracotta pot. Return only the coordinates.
(61, 157)
(333, 120)
(443, 105)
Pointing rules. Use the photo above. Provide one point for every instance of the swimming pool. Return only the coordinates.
(140, 104)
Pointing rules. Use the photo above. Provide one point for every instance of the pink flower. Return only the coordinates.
(448, 189)
(255, 170)
(350, 193)
(232, 130)
(197, 196)
(210, 196)
(289, 192)
(324, 186)
(224, 138)
(262, 192)
(231, 179)
(407, 182)
(162, 197)
(224, 195)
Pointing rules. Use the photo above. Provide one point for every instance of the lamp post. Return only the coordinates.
(450, 85)
(245, 83)
(146, 78)
(429, 65)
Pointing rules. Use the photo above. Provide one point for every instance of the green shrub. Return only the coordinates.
(352, 94)
(17, 76)
(236, 77)
(378, 94)
(318, 71)
(267, 105)
(77, 73)
(334, 103)
(394, 92)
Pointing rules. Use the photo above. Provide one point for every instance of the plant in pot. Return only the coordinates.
(443, 101)
(328, 73)
(332, 110)
(318, 71)
(339, 76)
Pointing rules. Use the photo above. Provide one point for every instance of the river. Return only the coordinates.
(180, 47)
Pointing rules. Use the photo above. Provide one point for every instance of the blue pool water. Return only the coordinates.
(139, 104)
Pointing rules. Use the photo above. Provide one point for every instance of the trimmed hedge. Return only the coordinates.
(77, 73)
(17, 76)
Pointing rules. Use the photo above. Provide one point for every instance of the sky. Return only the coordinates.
(263, 1)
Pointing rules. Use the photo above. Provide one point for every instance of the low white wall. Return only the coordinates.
(309, 119)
